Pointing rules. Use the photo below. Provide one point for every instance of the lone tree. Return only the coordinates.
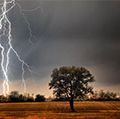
(70, 83)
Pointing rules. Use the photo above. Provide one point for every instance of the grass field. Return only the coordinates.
(60, 110)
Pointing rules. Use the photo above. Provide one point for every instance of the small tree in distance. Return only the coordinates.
(70, 83)
(39, 98)
(14, 96)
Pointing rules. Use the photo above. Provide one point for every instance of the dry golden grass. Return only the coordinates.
(60, 110)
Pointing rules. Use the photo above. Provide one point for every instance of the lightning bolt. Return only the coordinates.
(5, 30)
(26, 20)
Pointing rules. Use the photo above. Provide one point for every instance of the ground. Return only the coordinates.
(60, 110)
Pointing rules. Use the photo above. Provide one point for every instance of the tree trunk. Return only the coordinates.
(72, 105)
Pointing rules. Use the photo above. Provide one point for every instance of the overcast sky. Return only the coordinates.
(81, 33)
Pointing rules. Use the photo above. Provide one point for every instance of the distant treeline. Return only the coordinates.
(14, 96)
(96, 96)
(101, 95)
(104, 96)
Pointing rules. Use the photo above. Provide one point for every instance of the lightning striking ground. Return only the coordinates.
(5, 30)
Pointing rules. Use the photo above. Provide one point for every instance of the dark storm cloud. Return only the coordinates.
(77, 33)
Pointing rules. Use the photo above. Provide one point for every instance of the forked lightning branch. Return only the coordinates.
(6, 46)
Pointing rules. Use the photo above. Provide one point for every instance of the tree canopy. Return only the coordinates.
(71, 82)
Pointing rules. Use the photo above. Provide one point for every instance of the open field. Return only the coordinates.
(60, 110)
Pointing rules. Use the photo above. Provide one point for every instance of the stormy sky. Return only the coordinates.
(65, 33)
